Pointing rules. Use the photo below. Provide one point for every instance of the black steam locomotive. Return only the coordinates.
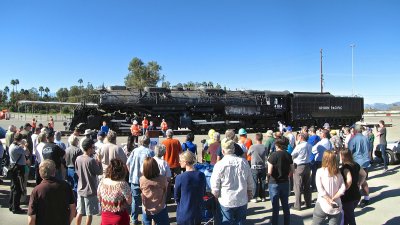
(204, 108)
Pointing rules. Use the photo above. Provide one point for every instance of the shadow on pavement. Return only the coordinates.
(386, 194)
(299, 220)
(391, 171)
(362, 211)
(375, 189)
(258, 211)
(393, 221)
(4, 197)
(294, 218)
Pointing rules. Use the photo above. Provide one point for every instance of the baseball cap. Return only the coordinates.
(242, 131)
(87, 143)
(101, 134)
(49, 133)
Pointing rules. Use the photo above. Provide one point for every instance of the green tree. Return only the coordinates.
(41, 89)
(218, 86)
(25, 94)
(47, 90)
(6, 91)
(74, 94)
(80, 81)
(16, 84)
(62, 94)
(166, 84)
(179, 85)
(13, 84)
(33, 94)
(141, 75)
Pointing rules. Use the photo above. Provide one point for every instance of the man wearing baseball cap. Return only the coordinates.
(53, 152)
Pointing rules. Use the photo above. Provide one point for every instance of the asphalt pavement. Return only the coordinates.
(383, 207)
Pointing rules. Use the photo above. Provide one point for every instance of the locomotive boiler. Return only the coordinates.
(203, 108)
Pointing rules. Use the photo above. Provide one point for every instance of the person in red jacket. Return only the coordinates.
(33, 124)
(135, 131)
(145, 125)
(164, 127)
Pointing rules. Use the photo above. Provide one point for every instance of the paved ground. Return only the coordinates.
(385, 198)
(385, 191)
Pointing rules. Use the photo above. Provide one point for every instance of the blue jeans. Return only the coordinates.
(384, 156)
(259, 176)
(72, 179)
(235, 215)
(279, 192)
(160, 218)
(136, 202)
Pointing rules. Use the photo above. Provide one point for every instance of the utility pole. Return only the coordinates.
(352, 68)
(322, 75)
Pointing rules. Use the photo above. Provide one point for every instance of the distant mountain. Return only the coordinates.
(382, 106)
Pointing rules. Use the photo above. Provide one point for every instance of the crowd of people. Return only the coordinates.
(90, 176)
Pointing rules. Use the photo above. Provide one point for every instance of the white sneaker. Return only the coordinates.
(254, 200)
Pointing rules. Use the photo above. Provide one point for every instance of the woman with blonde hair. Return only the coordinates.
(330, 186)
(190, 187)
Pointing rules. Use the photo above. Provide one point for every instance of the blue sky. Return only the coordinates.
(263, 44)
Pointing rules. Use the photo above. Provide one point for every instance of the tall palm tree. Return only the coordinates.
(16, 84)
(41, 89)
(13, 84)
(80, 81)
(6, 90)
(47, 90)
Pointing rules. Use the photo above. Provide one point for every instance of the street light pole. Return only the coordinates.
(352, 68)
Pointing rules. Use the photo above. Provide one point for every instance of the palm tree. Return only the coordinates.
(13, 84)
(16, 84)
(6, 90)
(80, 81)
(47, 90)
(41, 89)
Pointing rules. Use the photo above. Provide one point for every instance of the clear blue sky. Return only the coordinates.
(264, 44)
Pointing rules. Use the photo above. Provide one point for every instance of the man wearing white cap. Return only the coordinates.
(88, 134)
(135, 131)
(269, 141)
